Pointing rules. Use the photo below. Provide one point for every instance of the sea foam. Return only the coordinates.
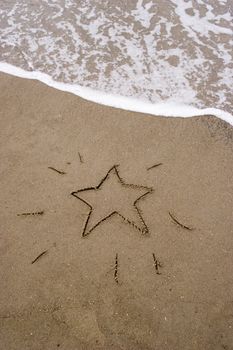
(117, 101)
(163, 57)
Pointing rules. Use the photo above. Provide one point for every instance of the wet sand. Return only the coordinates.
(171, 285)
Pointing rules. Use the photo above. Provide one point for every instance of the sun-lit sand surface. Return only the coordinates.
(170, 287)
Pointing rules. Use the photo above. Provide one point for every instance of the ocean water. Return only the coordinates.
(174, 53)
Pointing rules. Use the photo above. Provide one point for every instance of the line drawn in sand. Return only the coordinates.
(116, 269)
(80, 157)
(31, 213)
(154, 166)
(157, 264)
(175, 220)
(56, 170)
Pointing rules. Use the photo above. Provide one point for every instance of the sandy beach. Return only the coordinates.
(157, 274)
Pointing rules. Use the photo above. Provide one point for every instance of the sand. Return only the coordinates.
(173, 286)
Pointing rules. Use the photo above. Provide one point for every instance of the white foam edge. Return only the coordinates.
(165, 109)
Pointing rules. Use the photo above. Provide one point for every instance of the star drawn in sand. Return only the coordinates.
(113, 196)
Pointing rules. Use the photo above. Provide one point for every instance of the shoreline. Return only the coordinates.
(124, 103)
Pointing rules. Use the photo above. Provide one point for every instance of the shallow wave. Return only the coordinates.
(127, 103)
(160, 52)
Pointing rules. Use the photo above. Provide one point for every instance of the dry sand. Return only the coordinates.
(69, 298)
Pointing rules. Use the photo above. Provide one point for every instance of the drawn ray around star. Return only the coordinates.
(112, 196)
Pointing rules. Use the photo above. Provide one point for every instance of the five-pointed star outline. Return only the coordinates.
(138, 215)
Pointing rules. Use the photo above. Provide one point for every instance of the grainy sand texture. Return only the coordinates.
(142, 258)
